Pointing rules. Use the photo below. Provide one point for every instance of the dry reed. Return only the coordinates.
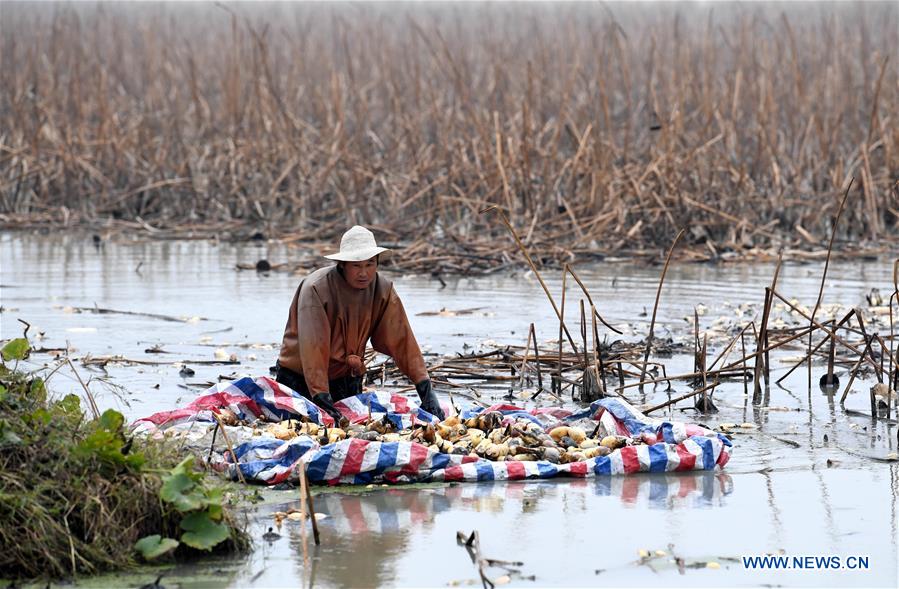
(595, 127)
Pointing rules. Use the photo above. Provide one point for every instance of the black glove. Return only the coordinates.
(429, 400)
(324, 401)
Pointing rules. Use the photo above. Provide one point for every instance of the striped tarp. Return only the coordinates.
(266, 399)
(248, 398)
(667, 447)
(359, 462)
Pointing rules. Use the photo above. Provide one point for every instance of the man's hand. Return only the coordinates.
(325, 401)
(429, 400)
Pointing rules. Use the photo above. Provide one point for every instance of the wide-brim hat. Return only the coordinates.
(357, 245)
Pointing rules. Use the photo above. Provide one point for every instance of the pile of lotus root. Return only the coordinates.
(484, 436)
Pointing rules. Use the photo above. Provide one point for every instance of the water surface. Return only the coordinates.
(824, 497)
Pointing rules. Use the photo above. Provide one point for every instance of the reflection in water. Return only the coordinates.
(367, 563)
(371, 529)
(669, 491)
(397, 509)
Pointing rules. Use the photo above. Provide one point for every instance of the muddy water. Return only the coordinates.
(825, 497)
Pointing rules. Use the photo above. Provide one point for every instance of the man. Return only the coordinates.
(334, 313)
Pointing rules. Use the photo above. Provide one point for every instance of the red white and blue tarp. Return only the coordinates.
(667, 446)
(265, 399)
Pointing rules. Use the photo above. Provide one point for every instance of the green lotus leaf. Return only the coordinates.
(16, 349)
(178, 489)
(201, 532)
(152, 547)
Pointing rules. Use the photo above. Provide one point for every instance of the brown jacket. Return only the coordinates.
(330, 320)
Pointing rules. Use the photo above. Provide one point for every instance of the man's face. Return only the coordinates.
(360, 274)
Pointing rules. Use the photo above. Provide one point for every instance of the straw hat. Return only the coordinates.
(357, 245)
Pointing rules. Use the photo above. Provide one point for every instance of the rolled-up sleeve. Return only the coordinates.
(314, 335)
(393, 336)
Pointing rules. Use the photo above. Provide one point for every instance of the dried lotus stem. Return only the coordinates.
(655, 307)
(530, 262)
(230, 449)
(833, 234)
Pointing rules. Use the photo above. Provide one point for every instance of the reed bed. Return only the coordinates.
(595, 127)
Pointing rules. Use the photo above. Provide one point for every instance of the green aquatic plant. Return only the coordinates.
(203, 517)
(16, 349)
(79, 495)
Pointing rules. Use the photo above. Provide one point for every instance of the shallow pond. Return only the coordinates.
(818, 493)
